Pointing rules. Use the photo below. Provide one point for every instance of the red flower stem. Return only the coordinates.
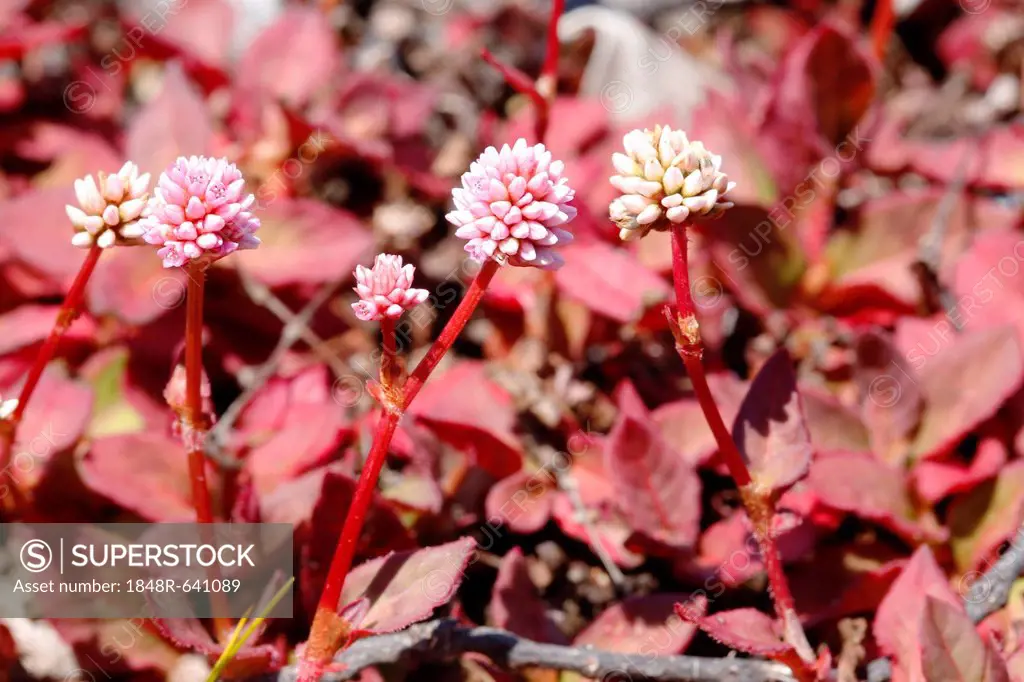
(195, 428)
(451, 331)
(389, 370)
(759, 504)
(691, 352)
(350, 532)
(549, 71)
(330, 631)
(882, 24)
(69, 310)
(522, 84)
(543, 90)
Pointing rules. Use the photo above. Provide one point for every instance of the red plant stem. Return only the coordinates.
(329, 630)
(759, 504)
(68, 312)
(691, 352)
(549, 70)
(345, 552)
(516, 79)
(451, 331)
(195, 426)
(522, 84)
(543, 90)
(194, 429)
(882, 24)
(389, 370)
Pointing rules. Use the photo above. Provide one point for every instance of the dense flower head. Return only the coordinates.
(109, 208)
(513, 205)
(385, 290)
(199, 212)
(665, 179)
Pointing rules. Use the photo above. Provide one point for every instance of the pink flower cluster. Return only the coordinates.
(385, 290)
(199, 213)
(512, 206)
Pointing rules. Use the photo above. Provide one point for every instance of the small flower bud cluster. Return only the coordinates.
(665, 179)
(108, 210)
(385, 290)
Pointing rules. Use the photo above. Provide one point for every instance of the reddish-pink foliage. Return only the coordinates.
(860, 309)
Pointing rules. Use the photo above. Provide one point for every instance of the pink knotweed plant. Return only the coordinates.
(513, 206)
(385, 290)
(665, 179)
(109, 209)
(200, 213)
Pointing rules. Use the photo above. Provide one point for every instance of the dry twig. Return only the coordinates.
(443, 640)
(296, 327)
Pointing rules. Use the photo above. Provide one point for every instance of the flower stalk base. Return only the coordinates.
(758, 502)
(330, 630)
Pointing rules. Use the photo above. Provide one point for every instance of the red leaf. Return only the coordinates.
(29, 323)
(132, 285)
(994, 158)
(515, 605)
(861, 485)
(655, 488)
(822, 88)
(521, 501)
(763, 262)
(897, 625)
(158, 491)
(466, 409)
(859, 578)
(965, 384)
(172, 124)
(770, 430)
(37, 231)
(291, 426)
(300, 243)
(890, 393)
(610, 281)
(70, 153)
(606, 523)
(251, 659)
(100, 646)
(727, 552)
(746, 630)
(987, 282)
(684, 426)
(32, 36)
(324, 508)
(834, 427)
(881, 259)
(952, 650)
(721, 124)
(293, 58)
(55, 420)
(194, 32)
(293, 501)
(645, 625)
(985, 517)
(406, 587)
(937, 480)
